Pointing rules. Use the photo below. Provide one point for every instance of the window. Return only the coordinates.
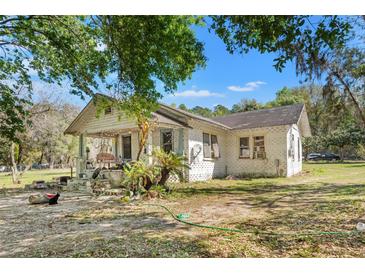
(245, 147)
(259, 147)
(108, 110)
(166, 140)
(206, 146)
(210, 146)
(215, 146)
(127, 147)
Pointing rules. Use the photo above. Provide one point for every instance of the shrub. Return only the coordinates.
(170, 164)
(138, 175)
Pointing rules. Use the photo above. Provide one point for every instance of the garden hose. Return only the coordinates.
(256, 232)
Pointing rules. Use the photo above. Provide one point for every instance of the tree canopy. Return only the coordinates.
(131, 56)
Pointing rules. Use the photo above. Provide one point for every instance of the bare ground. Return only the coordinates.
(87, 226)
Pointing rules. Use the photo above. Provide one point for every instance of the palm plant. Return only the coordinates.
(138, 175)
(169, 163)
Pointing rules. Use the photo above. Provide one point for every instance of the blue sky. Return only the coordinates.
(226, 79)
(229, 78)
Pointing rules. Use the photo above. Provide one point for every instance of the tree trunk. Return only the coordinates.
(142, 140)
(41, 158)
(20, 154)
(352, 96)
(148, 183)
(165, 174)
(51, 162)
(341, 153)
(14, 169)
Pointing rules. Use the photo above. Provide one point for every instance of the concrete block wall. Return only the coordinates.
(275, 148)
(204, 168)
(295, 161)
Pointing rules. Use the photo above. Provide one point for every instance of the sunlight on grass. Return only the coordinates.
(31, 175)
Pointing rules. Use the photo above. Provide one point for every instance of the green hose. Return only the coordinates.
(315, 233)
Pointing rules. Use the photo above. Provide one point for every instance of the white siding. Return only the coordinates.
(294, 162)
(105, 122)
(204, 169)
(275, 148)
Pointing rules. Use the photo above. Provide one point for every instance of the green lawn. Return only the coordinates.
(30, 176)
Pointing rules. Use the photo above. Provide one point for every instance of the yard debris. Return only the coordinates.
(360, 227)
(231, 177)
(47, 198)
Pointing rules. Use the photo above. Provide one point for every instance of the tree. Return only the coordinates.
(183, 107)
(144, 50)
(286, 96)
(202, 111)
(246, 105)
(50, 48)
(220, 110)
(347, 135)
(319, 49)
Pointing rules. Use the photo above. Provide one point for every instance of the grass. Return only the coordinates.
(30, 176)
(325, 197)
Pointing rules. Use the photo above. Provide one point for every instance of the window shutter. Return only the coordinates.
(215, 146)
(206, 146)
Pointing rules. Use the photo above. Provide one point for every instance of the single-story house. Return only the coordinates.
(262, 142)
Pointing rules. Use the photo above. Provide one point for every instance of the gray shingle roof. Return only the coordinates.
(285, 115)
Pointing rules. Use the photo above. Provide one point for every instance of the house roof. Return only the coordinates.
(285, 115)
(194, 116)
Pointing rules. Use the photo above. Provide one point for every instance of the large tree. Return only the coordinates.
(321, 47)
(53, 49)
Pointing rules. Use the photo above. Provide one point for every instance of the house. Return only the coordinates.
(263, 142)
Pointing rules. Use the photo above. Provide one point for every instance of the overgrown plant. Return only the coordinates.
(169, 163)
(139, 175)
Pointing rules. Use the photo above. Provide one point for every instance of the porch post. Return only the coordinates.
(149, 148)
(180, 144)
(80, 161)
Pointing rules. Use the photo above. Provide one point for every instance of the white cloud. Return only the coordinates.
(250, 86)
(198, 93)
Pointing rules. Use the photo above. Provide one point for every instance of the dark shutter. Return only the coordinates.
(215, 146)
(206, 146)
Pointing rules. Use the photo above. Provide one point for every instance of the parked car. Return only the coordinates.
(330, 157)
(327, 156)
(4, 169)
(314, 156)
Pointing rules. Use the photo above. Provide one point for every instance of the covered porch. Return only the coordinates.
(111, 150)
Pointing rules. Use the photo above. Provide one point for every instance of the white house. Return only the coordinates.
(263, 142)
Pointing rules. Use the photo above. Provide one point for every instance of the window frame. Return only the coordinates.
(130, 145)
(255, 156)
(162, 144)
(248, 147)
(108, 111)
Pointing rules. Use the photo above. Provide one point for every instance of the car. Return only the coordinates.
(4, 168)
(314, 156)
(326, 156)
(330, 157)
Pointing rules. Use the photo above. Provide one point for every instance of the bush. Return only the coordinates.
(139, 175)
(169, 164)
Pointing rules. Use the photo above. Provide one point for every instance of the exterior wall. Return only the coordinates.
(275, 139)
(105, 122)
(294, 158)
(200, 168)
